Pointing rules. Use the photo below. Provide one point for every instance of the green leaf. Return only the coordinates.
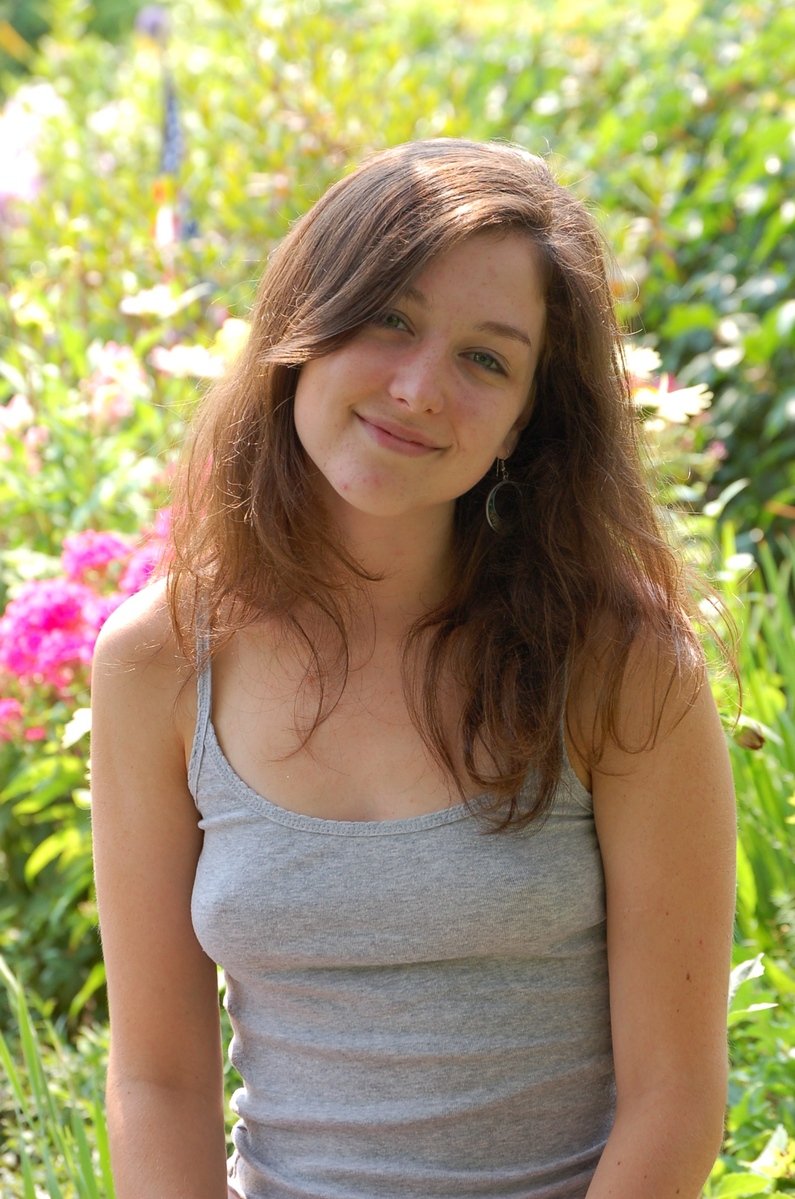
(737, 1015)
(747, 898)
(95, 980)
(781, 977)
(59, 843)
(747, 1185)
(14, 377)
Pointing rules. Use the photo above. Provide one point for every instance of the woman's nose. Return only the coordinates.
(419, 380)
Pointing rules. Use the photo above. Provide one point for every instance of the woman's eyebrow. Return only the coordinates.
(415, 295)
(497, 327)
(505, 331)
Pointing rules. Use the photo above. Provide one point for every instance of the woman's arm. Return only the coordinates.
(165, 1091)
(666, 824)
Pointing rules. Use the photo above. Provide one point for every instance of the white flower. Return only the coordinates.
(677, 406)
(642, 361)
(161, 301)
(182, 361)
(672, 407)
(22, 122)
(17, 414)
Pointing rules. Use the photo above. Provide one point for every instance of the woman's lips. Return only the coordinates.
(396, 437)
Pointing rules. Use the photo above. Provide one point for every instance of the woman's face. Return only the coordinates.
(412, 411)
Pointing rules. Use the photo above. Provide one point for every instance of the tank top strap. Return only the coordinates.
(203, 702)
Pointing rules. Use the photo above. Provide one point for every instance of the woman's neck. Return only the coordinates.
(410, 558)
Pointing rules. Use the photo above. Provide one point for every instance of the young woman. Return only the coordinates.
(415, 740)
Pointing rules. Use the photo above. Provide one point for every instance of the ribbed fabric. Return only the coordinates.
(419, 1008)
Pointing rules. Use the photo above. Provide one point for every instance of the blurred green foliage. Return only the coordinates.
(30, 20)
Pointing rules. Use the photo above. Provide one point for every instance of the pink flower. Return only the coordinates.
(139, 569)
(16, 424)
(10, 718)
(36, 733)
(91, 553)
(161, 527)
(147, 556)
(48, 631)
(35, 437)
(10, 709)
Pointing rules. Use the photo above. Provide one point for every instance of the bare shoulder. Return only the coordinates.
(139, 735)
(139, 633)
(624, 699)
(139, 674)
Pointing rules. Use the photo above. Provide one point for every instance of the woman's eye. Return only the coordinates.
(392, 320)
(481, 358)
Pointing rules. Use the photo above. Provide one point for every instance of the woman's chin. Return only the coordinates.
(347, 501)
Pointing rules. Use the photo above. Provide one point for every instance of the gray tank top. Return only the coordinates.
(419, 1008)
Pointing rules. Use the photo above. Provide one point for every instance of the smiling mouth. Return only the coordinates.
(400, 434)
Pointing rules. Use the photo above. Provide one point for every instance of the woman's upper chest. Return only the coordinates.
(364, 761)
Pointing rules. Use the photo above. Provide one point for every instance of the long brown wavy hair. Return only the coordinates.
(584, 551)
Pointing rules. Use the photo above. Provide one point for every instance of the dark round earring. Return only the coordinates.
(496, 522)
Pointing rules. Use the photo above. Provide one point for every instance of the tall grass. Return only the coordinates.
(55, 1141)
(763, 751)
